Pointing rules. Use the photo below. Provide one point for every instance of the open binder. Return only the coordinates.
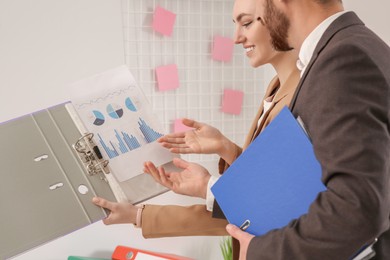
(50, 172)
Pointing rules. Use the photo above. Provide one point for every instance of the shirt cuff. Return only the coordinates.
(210, 196)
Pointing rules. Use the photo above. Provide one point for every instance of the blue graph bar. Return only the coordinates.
(149, 134)
(110, 152)
(122, 146)
(131, 141)
(115, 152)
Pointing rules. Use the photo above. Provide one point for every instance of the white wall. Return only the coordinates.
(47, 44)
(374, 13)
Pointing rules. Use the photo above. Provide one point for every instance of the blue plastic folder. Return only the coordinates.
(273, 181)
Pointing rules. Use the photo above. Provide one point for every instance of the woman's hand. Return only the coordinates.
(203, 139)
(191, 181)
(121, 212)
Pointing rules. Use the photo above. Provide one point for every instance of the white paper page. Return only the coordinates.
(112, 106)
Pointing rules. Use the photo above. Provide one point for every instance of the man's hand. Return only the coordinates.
(121, 213)
(243, 237)
(191, 181)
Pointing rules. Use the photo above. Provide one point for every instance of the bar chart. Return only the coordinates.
(121, 142)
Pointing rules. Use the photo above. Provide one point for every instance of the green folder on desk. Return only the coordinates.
(273, 181)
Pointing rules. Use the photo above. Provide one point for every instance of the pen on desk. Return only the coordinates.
(245, 225)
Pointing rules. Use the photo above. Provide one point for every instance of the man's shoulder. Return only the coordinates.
(350, 30)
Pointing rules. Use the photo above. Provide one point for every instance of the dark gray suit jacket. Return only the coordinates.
(343, 99)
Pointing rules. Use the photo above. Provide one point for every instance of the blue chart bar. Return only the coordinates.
(149, 134)
(123, 144)
(110, 152)
(131, 141)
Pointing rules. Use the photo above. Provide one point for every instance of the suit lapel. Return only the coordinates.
(345, 20)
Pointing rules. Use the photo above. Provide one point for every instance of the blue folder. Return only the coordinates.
(273, 181)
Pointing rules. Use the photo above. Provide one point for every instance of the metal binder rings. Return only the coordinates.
(90, 155)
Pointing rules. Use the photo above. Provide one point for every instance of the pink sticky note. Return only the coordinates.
(180, 127)
(167, 77)
(163, 21)
(222, 48)
(232, 101)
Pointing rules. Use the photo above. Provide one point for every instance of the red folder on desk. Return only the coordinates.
(273, 181)
(129, 253)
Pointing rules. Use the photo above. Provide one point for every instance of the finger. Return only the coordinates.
(152, 170)
(107, 220)
(180, 163)
(191, 123)
(173, 141)
(102, 203)
(164, 179)
(145, 169)
(174, 145)
(179, 149)
(173, 136)
(237, 233)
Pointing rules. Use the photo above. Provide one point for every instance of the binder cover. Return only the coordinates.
(40, 180)
(273, 181)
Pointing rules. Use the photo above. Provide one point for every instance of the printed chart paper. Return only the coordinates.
(114, 109)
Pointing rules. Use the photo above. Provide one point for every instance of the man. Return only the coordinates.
(343, 99)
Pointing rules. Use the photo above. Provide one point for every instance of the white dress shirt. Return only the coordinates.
(311, 41)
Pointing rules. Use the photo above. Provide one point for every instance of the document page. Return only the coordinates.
(113, 107)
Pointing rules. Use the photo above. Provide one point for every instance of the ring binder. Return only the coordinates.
(51, 157)
(43, 172)
(90, 155)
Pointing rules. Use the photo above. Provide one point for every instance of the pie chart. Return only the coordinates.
(114, 111)
(130, 105)
(97, 118)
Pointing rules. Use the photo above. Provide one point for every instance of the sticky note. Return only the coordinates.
(167, 77)
(232, 101)
(222, 48)
(180, 127)
(163, 21)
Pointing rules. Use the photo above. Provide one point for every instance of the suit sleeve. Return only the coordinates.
(170, 220)
(344, 103)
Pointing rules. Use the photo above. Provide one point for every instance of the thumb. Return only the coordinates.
(102, 203)
(182, 164)
(235, 232)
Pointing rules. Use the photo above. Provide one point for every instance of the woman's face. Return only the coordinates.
(251, 32)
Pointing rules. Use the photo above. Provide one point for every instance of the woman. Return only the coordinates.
(163, 221)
